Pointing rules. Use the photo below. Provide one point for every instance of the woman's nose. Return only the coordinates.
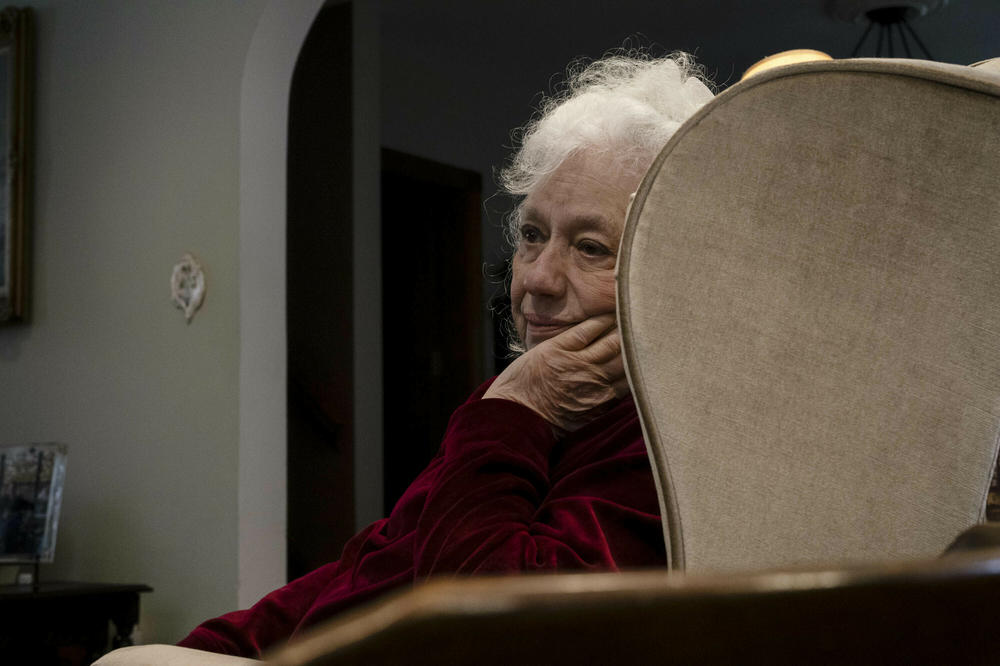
(546, 275)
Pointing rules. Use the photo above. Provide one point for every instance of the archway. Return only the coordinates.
(261, 487)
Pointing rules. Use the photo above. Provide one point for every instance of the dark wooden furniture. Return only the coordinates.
(939, 611)
(65, 623)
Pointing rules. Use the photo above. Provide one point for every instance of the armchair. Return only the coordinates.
(809, 299)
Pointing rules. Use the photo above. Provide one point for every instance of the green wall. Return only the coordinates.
(137, 162)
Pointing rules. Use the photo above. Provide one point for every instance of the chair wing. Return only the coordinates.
(809, 300)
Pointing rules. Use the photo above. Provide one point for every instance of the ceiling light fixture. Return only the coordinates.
(892, 18)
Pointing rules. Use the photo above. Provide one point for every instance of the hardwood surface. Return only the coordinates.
(65, 622)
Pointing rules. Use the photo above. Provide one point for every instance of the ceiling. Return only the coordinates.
(727, 35)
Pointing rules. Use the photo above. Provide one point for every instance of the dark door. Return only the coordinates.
(319, 296)
(432, 315)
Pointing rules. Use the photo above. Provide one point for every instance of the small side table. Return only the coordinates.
(65, 623)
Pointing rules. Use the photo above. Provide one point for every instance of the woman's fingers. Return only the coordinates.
(586, 332)
(607, 347)
(621, 387)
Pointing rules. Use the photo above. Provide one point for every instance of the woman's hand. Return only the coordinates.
(566, 378)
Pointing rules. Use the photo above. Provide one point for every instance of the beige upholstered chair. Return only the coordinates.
(809, 296)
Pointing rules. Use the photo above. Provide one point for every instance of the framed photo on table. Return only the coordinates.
(15, 161)
(31, 489)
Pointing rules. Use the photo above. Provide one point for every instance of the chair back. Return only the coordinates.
(809, 301)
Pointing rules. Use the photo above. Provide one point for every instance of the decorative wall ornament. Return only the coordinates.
(187, 286)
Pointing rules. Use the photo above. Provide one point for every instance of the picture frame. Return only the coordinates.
(16, 47)
(31, 490)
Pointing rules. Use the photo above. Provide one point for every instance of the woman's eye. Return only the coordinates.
(592, 249)
(530, 234)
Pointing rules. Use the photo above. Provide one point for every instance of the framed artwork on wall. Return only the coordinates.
(15, 161)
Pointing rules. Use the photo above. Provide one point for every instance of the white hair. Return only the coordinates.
(627, 104)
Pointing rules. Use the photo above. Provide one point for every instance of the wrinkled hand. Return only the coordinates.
(567, 378)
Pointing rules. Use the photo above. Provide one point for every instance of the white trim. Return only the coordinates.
(261, 494)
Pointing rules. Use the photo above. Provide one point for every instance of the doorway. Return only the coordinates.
(319, 302)
(431, 279)
(432, 318)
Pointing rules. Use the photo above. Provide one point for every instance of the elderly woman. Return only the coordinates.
(544, 467)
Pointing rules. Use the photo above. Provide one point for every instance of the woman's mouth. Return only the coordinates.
(543, 328)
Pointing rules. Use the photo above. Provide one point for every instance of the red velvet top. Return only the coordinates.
(501, 495)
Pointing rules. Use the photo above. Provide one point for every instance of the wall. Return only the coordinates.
(137, 145)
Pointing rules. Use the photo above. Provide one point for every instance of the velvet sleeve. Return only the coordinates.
(502, 495)
(272, 619)
(277, 616)
(511, 497)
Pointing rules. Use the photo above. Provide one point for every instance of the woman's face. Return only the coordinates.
(564, 265)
